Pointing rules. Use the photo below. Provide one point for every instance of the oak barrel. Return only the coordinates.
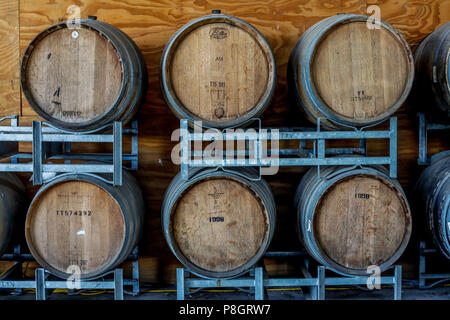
(218, 224)
(80, 221)
(12, 200)
(433, 201)
(432, 83)
(218, 69)
(82, 78)
(352, 218)
(348, 74)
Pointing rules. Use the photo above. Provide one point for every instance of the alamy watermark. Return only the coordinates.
(73, 281)
(374, 21)
(374, 280)
(230, 147)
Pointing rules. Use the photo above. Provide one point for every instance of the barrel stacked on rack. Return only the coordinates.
(218, 224)
(350, 73)
(218, 69)
(81, 221)
(221, 71)
(432, 82)
(341, 71)
(350, 219)
(433, 200)
(80, 77)
(432, 96)
(83, 76)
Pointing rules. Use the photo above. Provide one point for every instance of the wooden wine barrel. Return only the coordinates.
(432, 83)
(433, 201)
(218, 224)
(219, 70)
(82, 78)
(352, 218)
(12, 201)
(80, 221)
(348, 74)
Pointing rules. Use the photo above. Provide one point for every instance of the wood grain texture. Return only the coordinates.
(361, 221)
(9, 55)
(151, 23)
(219, 224)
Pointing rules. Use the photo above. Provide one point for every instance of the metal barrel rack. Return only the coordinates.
(254, 155)
(436, 278)
(50, 143)
(427, 124)
(13, 278)
(257, 280)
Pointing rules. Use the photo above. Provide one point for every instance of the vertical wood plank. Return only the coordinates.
(9, 56)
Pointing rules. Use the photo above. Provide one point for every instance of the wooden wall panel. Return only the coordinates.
(282, 22)
(9, 56)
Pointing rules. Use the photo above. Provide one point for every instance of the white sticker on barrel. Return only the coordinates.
(74, 34)
(81, 233)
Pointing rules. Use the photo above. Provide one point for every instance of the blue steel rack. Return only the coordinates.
(437, 278)
(257, 280)
(13, 277)
(50, 143)
(317, 156)
(425, 125)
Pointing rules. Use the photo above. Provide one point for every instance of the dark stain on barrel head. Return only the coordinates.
(219, 112)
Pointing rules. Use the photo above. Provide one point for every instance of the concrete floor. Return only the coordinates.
(408, 293)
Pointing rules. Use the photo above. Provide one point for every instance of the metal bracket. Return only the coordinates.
(43, 137)
(256, 156)
(424, 126)
(41, 283)
(423, 275)
(395, 280)
(258, 282)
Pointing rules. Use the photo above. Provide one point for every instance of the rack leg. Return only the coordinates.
(422, 266)
(40, 284)
(118, 284)
(398, 283)
(135, 276)
(423, 148)
(180, 284)
(259, 284)
(320, 295)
